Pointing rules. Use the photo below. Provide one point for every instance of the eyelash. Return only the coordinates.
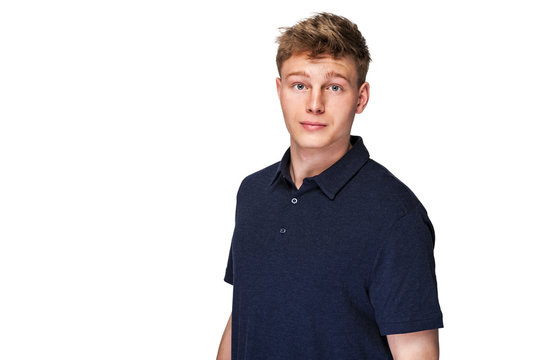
(296, 87)
(338, 86)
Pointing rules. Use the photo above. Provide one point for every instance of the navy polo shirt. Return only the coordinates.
(327, 270)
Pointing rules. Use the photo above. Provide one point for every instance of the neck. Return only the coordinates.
(308, 162)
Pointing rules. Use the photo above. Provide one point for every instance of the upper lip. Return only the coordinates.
(312, 123)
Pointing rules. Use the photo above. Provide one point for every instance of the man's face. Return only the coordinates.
(319, 98)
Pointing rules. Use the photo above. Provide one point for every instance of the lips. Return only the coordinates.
(311, 126)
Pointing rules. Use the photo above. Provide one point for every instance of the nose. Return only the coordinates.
(315, 103)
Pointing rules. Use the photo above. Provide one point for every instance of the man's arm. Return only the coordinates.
(420, 345)
(224, 351)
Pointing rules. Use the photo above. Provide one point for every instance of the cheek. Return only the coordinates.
(290, 105)
(347, 106)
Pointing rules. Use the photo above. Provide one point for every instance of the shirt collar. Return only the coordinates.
(333, 179)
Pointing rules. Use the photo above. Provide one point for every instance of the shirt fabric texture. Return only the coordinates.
(327, 270)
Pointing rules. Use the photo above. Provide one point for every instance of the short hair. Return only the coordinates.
(324, 34)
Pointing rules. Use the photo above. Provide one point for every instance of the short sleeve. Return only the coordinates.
(403, 288)
(229, 276)
(229, 269)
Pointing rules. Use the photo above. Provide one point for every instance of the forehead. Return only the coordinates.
(320, 66)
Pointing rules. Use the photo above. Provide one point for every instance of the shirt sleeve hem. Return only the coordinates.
(228, 280)
(411, 326)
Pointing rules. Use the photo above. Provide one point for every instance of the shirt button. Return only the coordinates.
(294, 200)
(282, 231)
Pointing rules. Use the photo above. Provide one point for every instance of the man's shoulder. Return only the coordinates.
(382, 187)
(260, 178)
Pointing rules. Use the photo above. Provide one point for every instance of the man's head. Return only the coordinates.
(322, 63)
(325, 34)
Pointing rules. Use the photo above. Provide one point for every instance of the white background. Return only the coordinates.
(127, 126)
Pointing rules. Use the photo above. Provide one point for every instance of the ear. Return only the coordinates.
(364, 95)
(278, 86)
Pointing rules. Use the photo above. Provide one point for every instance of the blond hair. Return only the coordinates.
(324, 34)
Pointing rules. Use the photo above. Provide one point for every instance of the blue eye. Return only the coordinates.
(299, 86)
(335, 88)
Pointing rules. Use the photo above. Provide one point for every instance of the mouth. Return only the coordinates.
(311, 126)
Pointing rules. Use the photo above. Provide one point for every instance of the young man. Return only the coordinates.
(332, 256)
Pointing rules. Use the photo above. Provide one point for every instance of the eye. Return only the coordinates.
(299, 86)
(335, 88)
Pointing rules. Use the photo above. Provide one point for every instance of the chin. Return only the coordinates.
(311, 142)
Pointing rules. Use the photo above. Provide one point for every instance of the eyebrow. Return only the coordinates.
(329, 75)
(298, 73)
(332, 74)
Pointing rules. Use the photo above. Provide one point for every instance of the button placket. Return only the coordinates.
(283, 230)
